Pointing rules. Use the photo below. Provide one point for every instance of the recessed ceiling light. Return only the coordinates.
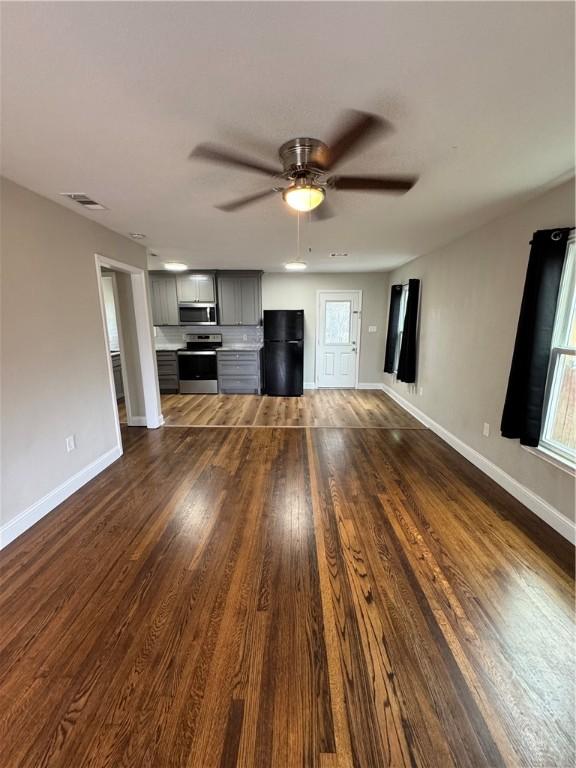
(137, 235)
(296, 266)
(175, 266)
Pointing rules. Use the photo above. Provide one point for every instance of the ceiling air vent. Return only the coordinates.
(84, 201)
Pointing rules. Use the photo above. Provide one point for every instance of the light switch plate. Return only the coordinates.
(372, 329)
(70, 443)
(486, 429)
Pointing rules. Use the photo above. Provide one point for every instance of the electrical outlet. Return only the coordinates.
(245, 337)
(70, 443)
(155, 331)
(486, 429)
(421, 391)
(372, 329)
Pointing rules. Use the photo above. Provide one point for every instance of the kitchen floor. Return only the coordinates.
(316, 408)
(288, 598)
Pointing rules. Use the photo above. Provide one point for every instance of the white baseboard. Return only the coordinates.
(140, 421)
(47, 503)
(363, 385)
(535, 503)
(136, 421)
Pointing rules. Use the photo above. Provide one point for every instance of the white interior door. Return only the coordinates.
(337, 338)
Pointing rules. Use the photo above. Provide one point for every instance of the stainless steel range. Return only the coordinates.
(197, 369)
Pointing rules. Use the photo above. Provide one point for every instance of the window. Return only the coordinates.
(337, 322)
(400, 329)
(559, 423)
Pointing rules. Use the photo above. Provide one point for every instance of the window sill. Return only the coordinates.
(553, 459)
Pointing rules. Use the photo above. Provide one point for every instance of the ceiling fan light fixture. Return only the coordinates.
(175, 266)
(303, 197)
(296, 266)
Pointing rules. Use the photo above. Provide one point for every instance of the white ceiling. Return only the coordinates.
(109, 98)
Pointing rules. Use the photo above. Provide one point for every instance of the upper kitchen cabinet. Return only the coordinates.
(240, 298)
(164, 300)
(196, 287)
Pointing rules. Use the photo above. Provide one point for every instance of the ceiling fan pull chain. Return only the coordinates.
(297, 235)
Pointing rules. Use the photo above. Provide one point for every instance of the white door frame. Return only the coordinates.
(146, 351)
(320, 291)
(123, 367)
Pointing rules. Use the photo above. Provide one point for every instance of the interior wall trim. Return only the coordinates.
(535, 503)
(36, 511)
(136, 421)
(361, 385)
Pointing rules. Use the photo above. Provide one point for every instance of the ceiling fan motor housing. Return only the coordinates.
(303, 154)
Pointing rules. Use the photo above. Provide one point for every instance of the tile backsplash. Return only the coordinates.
(231, 334)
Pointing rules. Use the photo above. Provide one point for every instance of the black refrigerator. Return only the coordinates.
(284, 352)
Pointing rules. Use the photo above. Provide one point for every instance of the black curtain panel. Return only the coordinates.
(408, 348)
(393, 317)
(522, 416)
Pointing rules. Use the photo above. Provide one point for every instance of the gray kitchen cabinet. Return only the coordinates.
(240, 298)
(197, 287)
(164, 300)
(250, 300)
(117, 371)
(167, 363)
(227, 289)
(239, 372)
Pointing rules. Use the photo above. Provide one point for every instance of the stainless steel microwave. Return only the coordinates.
(194, 313)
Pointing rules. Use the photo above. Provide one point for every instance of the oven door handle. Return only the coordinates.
(199, 352)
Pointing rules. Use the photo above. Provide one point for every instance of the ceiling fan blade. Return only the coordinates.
(357, 129)
(373, 183)
(322, 212)
(216, 154)
(242, 201)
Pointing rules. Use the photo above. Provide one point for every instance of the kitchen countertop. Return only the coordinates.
(240, 348)
(224, 348)
(169, 347)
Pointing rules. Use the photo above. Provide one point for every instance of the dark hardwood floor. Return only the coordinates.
(287, 597)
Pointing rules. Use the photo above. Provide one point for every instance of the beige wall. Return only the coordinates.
(471, 294)
(299, 291)
(54, 372)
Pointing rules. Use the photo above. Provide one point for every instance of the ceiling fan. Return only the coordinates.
(306, 165)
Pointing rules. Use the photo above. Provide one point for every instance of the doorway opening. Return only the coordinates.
(338, 329)
(129, 347)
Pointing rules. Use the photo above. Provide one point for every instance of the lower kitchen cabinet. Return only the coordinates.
(167, 362)
(240, 372)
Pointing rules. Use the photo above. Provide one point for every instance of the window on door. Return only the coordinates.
(338, 315)
(559, 430)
